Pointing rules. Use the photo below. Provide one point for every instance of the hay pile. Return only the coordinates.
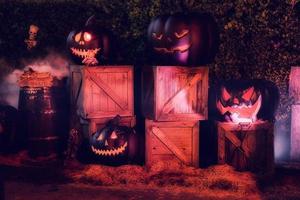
(217, 181)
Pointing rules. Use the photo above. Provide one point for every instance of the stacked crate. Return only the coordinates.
(174, 100)
(102, 92)
(247, 146)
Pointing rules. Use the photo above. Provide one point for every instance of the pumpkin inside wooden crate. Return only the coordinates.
(247, 146)
(103, 91)
(172, 93)
(172, 142)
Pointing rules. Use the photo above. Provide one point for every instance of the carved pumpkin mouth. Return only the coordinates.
(181, 49)
(110, 152)
(85, 53)
(242, 112)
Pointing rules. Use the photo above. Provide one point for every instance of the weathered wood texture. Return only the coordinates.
(172, 93)
(294, 85)
(75, 82)
(172, 142)
(295, 133)
(106, 91)
(247, 147)
(97, 124)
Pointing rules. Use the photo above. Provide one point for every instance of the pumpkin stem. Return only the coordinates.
(91, 20)
(115, 121)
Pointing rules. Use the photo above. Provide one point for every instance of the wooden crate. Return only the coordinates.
(173, 93)
(294, 84)
(103, 91)
(97, 124)
(295, 133)
(172, 141)
(247, 146)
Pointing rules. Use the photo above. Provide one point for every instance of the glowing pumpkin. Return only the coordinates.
(246, 101)
(90, 44)
(182, 39)
(114, 144)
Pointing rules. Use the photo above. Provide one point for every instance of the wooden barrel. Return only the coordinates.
(43, 111)
(43, 117)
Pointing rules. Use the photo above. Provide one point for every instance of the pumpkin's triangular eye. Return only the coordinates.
(113, 135)
(182, 33)
(100, 137)
(157, 36)
(248, 94)
(225, 94)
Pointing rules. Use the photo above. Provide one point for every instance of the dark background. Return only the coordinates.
(259, 39)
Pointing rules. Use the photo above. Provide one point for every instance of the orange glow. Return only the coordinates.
(241, 113)
(87, 37)
(248, 94)
(77, 37)
(225, 94)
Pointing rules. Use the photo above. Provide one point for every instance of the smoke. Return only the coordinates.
(9, 89)
(54, 63)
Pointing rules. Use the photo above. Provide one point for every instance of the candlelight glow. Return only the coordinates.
(241, 113)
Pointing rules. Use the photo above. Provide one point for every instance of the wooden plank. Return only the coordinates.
(233, 139)
(237, 143)
(295, 133)
(123, 105)
(195, 144)
(221, 145)
(169, 144)
(75, 84)
(169, 105)
(294, 84)
(148, 143)
(181, 117)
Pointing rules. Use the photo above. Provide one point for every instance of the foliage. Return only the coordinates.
(259, 39)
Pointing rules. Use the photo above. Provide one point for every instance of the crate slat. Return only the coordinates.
(294, 83)
(295, 133)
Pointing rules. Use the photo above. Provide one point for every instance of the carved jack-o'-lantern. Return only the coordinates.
(242, 106)
(248, 100)
(90, 44)
(183, 39)
(114, 144)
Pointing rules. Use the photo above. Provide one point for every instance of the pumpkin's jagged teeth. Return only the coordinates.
(85, 53)
(112, 152)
